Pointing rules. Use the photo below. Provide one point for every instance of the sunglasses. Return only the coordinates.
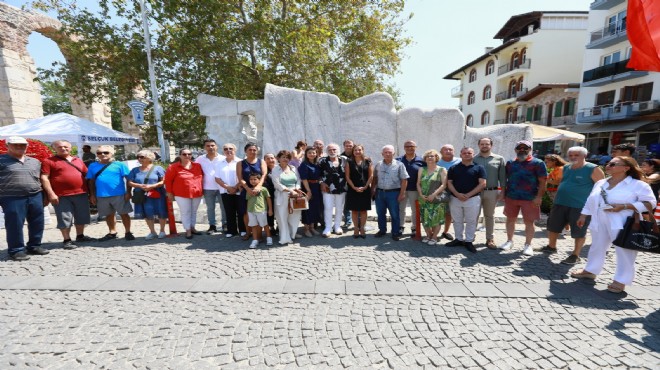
(227, 149)
(522, 148)
(186, 154)
(105, 153)
(617, 165)
(141, 157)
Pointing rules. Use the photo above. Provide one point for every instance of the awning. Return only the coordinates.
(612, 127)
(545, 133)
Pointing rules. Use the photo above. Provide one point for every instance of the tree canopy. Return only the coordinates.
(349, 48)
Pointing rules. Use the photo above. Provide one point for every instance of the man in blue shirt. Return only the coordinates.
(413, 164)
(447, 160)
(465, 182)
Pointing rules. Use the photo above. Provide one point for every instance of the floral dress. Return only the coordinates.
(432, 214)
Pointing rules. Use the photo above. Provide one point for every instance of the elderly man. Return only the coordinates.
(21, 200)
(109, 191)
(578, 179)
(413, 164)
(465, 181)
(63, 180)
(391, 181)
(211, 188)
(447, 160)
(318, 146)
(495, 179)
(333, 186)
(525, 184)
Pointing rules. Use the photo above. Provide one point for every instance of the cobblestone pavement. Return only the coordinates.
(114, 327)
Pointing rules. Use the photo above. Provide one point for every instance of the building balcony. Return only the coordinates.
(457, 91)
(604, 4)
(512, 67)
(608, 36)
(618, 112)
(610, 73)
(504, 96)
(498, 121)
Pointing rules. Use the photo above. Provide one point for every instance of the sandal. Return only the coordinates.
(582, 274)
(425, 239)
(616, 287)
(108, 236)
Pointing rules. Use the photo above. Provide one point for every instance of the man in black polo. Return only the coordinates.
(21, 199)
(465, 181)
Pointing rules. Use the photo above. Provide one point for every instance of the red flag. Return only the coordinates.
(643, 29)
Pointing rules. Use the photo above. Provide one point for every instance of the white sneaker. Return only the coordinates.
(254, 244)
(506, 246)
(528, 250)
(162, 235)
(269, 240)
(228, 236)
(243, 234)
(151, 236)
(481, 228)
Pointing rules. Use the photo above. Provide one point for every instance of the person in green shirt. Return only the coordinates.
(257, 205)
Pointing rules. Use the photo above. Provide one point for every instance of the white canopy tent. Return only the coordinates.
(546, 133)
(63, 126)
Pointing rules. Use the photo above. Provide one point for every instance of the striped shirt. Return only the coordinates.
(19, 179)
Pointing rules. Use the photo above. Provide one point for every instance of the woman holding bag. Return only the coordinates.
(432, 211)
(147, 182)
(610, 203)
(287, 184)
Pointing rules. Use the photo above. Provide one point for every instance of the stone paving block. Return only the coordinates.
(45, 282)
(150, 284)
(391, 288)
(88, 283)
(208, 285)
(7, 281)
(330, 287)
(642, 292)
(453, 290)
(515, 290)
(299, 286)
(254, 286)
(422, 289)
(118, 284)
(360, 287)
(484, 290)
(178, 284)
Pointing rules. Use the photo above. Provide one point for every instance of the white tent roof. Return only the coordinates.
(63, 126)
(545, 133)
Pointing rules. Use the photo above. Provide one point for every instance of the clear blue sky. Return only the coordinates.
(446, 34)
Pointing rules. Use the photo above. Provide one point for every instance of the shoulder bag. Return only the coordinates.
(139, 196)
(639, 234)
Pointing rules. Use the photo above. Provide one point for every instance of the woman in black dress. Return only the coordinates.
(359, 175)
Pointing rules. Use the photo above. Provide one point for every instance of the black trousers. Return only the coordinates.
(235, 223)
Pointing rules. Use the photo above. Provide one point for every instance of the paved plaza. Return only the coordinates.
(341, 302)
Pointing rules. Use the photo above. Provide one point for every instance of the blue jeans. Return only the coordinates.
(387, 201)
(210, 198)
(17, 210)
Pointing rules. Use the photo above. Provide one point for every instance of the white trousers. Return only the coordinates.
(464, 216)
(625, 258)
(287, 223)
(188, 211)
(333, 202)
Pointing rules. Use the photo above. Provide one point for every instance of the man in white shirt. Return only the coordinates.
(211, 188)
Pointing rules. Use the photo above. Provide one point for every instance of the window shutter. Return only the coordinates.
(530, 113)
(571, 107)
(558, 106)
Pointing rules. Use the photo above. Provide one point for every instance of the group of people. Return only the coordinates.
(321, 186)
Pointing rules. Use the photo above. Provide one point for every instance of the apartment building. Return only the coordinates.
(616, 104)
(539, 49)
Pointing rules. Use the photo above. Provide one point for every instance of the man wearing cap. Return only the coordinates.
(63, 180)
(21, 200)
(495, 179)
(525, 184)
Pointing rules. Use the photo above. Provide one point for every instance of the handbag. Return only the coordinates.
(139, 196)
(639, 234)
(298, 203)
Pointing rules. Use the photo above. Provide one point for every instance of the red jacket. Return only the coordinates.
(183, 182)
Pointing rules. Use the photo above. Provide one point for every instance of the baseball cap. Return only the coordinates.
(524, 142)
(16, 140)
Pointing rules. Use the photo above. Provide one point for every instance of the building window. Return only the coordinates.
(469, 120)
(490, 67)
(470, 98)
(515, 60)
(509, 115)
(523, 55)
(485, 118)
(512, 88)
(487, 92)
(611, 58)
(473, 75)
(520, 83)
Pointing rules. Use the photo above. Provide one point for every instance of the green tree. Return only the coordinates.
(54, 95)
(230, 48)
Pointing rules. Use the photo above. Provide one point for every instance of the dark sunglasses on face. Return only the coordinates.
(140, 157)
(612, 164)
(99, 153)
(227, 149)
(186, 154)
(522, 148)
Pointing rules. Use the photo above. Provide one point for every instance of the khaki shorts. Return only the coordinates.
(257, 219)
(70, 208)
(109, 205)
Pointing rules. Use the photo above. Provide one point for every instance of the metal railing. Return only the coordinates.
(609, 31)
(458, 90)
(513, 66)
(504, 95)
(606, 71)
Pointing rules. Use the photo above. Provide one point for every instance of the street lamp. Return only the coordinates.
(164, 153)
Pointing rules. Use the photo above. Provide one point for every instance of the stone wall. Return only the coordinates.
(288, 115)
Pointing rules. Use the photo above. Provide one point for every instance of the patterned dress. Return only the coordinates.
(431, 214)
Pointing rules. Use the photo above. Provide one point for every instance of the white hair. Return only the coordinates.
(390, 147)
(147, 154)
(578, 149)
(334, 145)
(106, 148)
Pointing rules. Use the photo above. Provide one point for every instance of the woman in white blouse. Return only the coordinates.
(610, 203)
(287, 183)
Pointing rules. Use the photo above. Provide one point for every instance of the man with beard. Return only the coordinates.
(574, 189)
(525, 185)
(212, 194)
(495, 179)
